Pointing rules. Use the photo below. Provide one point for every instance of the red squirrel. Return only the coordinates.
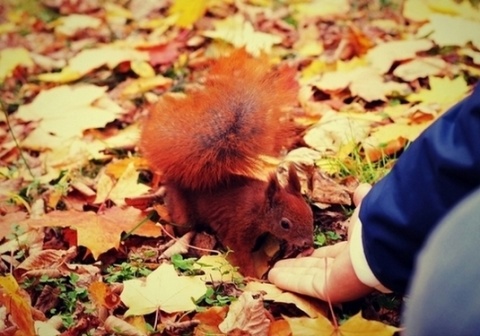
(206, 148)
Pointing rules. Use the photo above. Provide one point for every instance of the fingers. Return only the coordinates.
(301, 265)
(361, 191)
(308, 279)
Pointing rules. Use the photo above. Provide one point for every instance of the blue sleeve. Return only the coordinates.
(439, 169)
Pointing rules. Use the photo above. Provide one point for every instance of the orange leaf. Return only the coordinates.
(279, 328)
(13, 298)
(209, 320)
(101, 295)
(99, 232)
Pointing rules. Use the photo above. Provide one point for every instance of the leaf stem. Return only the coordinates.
(10, 129)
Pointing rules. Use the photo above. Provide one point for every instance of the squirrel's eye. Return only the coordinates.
(285, 224)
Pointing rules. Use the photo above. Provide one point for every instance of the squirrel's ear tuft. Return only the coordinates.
(293, 185)
(272, 189)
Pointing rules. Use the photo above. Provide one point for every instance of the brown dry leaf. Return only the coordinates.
(162, 289)
(355, 326)
(180, 246)
(10, 223)
(99, 233)
(14, 299)
(47, 262)
(246, 314)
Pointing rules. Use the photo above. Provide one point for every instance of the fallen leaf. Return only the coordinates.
(209, 320)
(420, 68)
(309, 306)
(142, 69)
(354, 326)
(474, 55)
(116, 326)
(162, 289)
(246, 314)
(188, 12)
(321, 8)
(91, 59)
(10, 58)
(127, 186)
(216, 269)
(384, 55)
(47, 262)
(102, 296)
(69, 25)
(335, 130)
(240, 33)
(99, 233)
(443, 91)
(64, 112)
(142, 85)
(14, 299)
(279, 328)
(364, 82)
(446, 30)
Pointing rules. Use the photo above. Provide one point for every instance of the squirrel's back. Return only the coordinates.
(200, 141)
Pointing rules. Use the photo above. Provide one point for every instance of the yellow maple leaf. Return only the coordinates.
(355, 326)
(447, 30)
(443, 91)
(385, 54)
(162, 289)
(240, 33)
(188, 11)
(91, 59)
(10, 58)
(64, 112)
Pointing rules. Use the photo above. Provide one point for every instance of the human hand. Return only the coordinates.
(328, 273)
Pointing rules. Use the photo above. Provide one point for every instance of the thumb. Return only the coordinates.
(361, 191)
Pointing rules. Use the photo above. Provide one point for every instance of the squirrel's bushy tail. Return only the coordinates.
(200, 141)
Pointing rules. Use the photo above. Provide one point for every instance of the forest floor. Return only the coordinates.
(81, 254)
